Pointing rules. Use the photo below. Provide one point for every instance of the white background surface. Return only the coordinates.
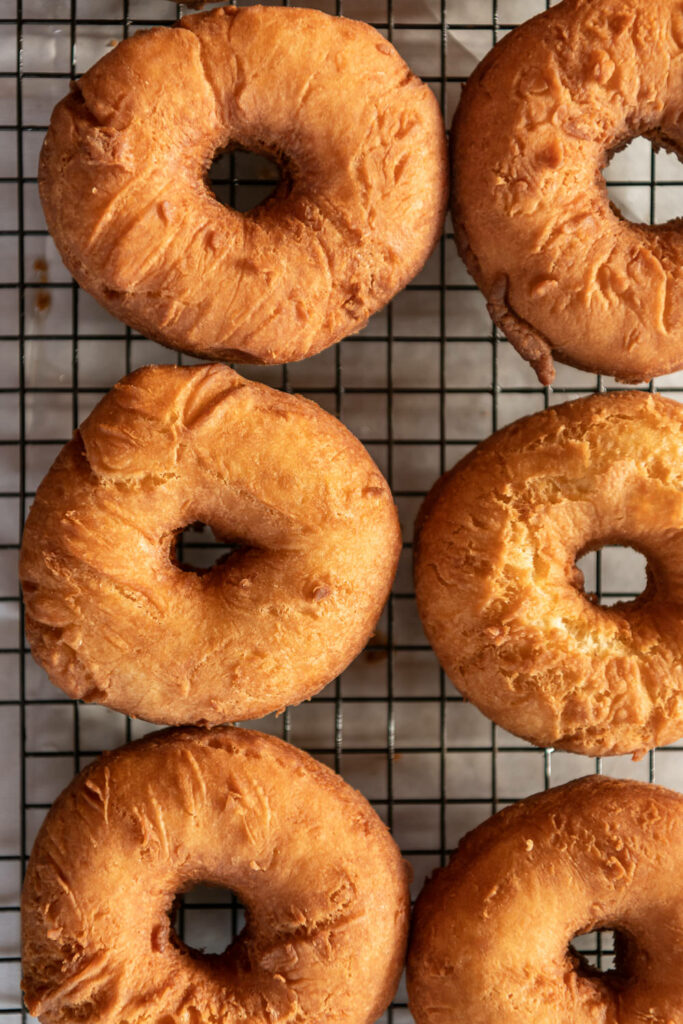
(433, 766)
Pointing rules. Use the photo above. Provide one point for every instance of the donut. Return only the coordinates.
(564, 273)
(323, 882)
(502, 601)
(112, 616)
(361, 146)
(491, 932)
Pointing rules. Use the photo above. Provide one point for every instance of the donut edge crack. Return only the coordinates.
(531, 345)
(525, 339)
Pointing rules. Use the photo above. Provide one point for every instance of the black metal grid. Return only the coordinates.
(425, 381)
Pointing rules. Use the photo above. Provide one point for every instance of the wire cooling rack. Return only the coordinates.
(426, 380)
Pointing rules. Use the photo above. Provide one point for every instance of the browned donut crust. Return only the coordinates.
(491, 932)
(324, 885)
(564, 274)
(112, 617)
(361, 142)
(501, 599)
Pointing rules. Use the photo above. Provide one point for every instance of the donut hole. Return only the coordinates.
(603, 953)
(594, 952)
(613, 574)
(243, 179)
(206, 919)
(197, 549)
(629, 175)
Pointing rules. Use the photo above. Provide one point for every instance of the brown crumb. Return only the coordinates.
(43, 300)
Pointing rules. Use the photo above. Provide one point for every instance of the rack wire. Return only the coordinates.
(425, 381)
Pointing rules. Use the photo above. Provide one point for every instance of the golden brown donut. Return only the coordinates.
(324, 885)
(502, 601)
(361, 144)
(112, 617)
(564, 274)
(491, 932)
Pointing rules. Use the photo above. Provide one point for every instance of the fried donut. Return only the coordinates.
(565, 275)
(491, 932)
(324, 885)
(113, 618)
(502, 601)
(361, 144)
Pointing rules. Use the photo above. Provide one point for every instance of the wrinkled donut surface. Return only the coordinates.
(564, 274)
(114, 619)
(491, 932)
(362, 148)
(502, 601)
(324, 885)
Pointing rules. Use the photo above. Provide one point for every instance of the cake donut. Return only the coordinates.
(502, 601)
(362, 150)
(565, 275)
(111, 615)
(491, 932)
(323, 882)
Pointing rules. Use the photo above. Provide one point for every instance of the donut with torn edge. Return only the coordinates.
(564, 274)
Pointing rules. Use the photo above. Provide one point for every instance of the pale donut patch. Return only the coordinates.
(502, 601)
